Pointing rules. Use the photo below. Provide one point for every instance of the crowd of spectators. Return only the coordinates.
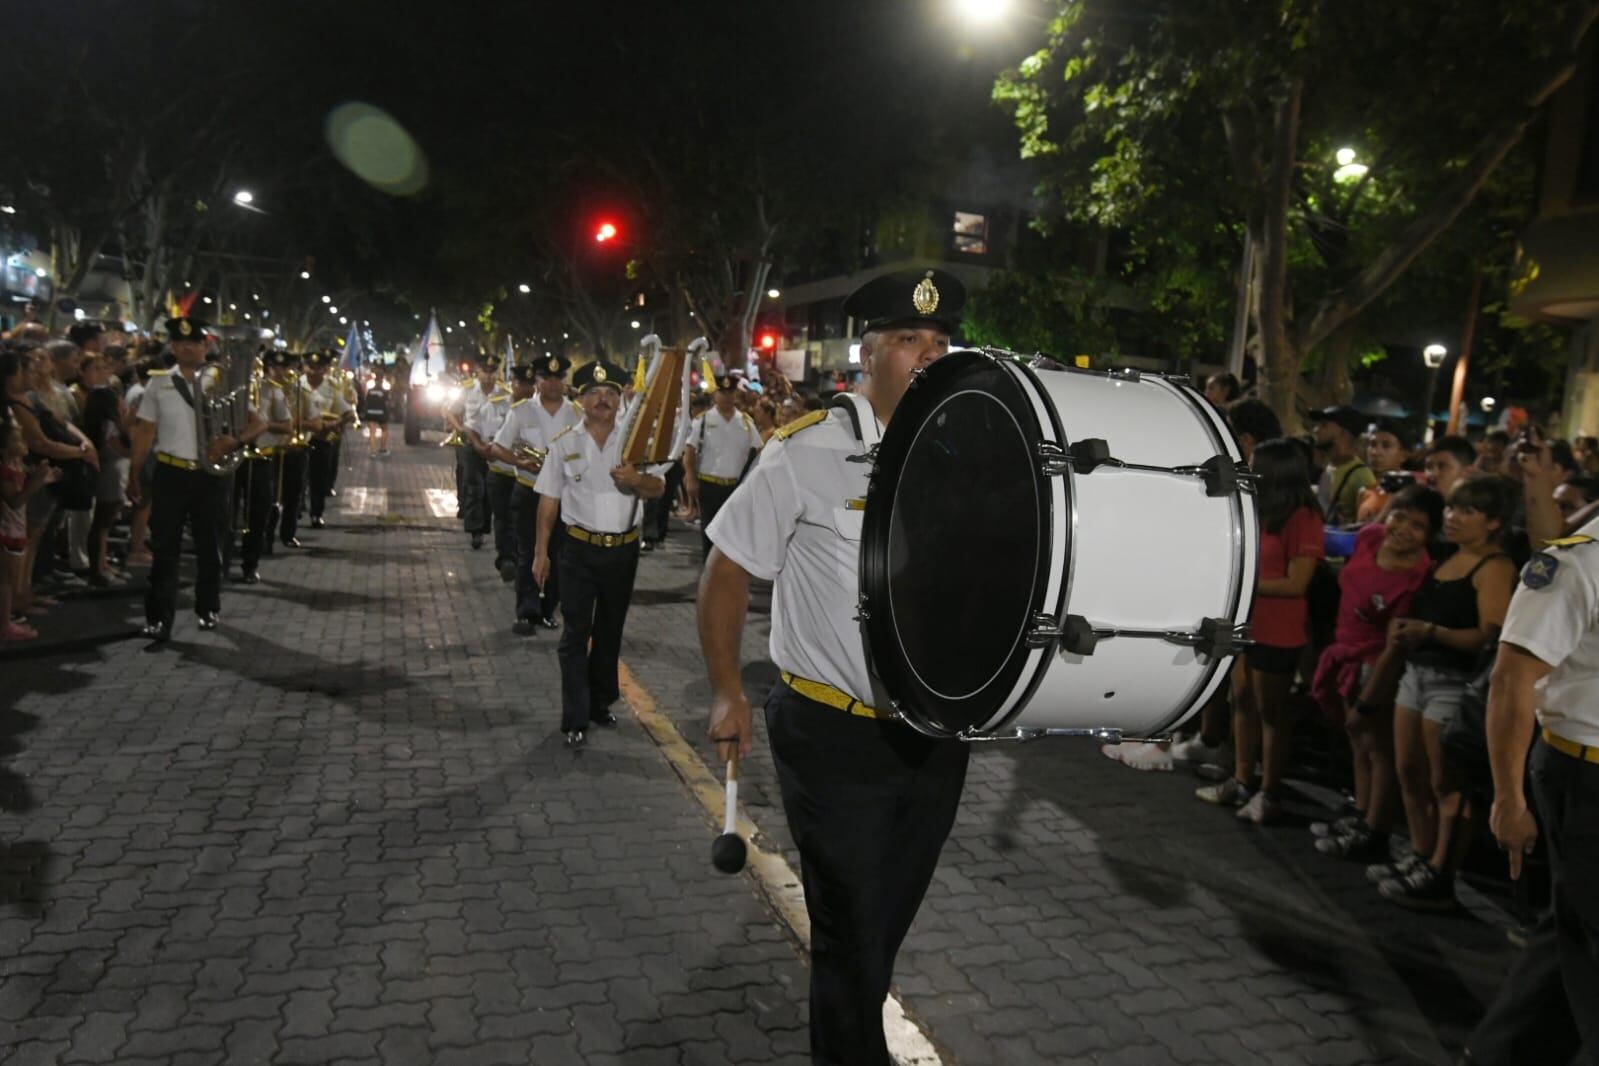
(63, 490)
(1386, 570)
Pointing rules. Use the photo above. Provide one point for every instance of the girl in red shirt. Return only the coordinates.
(1290, 546)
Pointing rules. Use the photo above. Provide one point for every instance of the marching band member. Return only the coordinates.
(481, 431)
(869, 800)
(471, 469)
(531, 424)
(293, 458)
(327, 413)
(584, 484)
(721, 444)
(261, 474)
(184, 491)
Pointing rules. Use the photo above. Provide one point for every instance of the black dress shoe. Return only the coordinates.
(316, 522)
(549, 623)
(477, 541)
(574, 739)
(292, 542)
(208, 619)
(523, 628)
(507, 569)
(158, 631)
(604, 718)
(647, 546)
(251, 578)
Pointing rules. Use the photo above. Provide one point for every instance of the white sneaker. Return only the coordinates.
(1195, 750)
(1260, 809)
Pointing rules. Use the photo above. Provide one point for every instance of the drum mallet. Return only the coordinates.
(728, 850)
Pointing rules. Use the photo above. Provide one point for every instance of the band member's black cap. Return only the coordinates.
(526, 373)
(186, 329)
(726, 383)
(598, 375)
(916, 298)
(317, 360)
(552, 366)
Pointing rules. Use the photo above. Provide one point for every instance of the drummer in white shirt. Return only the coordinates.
(1545, 695)
(722, 443)
(869, 801)
(586, 486)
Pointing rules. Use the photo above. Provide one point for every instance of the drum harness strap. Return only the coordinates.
(864, 421)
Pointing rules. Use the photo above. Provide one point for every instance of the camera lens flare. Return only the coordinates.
(376, 148)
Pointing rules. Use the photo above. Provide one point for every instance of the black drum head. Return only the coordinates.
(956, 542)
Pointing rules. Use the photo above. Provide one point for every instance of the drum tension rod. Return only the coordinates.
(1076, 635)
(1220, 473)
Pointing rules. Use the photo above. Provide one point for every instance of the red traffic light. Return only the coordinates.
(768, 341)
(606, 232)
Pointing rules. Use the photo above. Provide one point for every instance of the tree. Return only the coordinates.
(1185, 118)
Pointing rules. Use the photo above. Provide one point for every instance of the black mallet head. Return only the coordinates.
(728, 853)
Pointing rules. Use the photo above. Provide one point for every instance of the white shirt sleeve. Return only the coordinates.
(552, 479)
(506, 436)
(149, 406)
(755, 525)
(1552, 620)
(754, 434)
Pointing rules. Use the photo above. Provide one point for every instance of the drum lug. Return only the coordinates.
(1042, 631)
(1125, 373)
(1053, 460)
(1083, 456)
(861, 613)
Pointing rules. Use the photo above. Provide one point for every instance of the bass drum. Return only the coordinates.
(1051, 551)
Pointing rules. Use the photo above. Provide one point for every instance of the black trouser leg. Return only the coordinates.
(294, 463)
(261, 483)
(550, 597)
(596, 585)
(474, 494)
(319, 474)
(500, 486)
(1530, 1020)
(335, 460)
(617, 572)
(208, 518)
(869, 804)
(712, 497)
(171, 497)
(525, 519)
(580, 588)
(1567, 792)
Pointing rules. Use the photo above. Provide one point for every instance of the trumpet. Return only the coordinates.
(454, 440)
(526, 452)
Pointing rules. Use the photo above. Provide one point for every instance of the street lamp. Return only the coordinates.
(1488, 403)
(983, 10)
(524, 289)
(7, 209)
(305, 275)
(244, 197)
(1348, 168)
(773, 293)
(1433, 355)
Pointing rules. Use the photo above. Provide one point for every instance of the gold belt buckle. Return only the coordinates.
(610, 540)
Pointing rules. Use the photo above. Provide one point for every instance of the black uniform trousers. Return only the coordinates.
(869, 803)
(295, 461)
(658, 511)
(336, 459)
(319, 473)
(197, 499)
(472, 475)
(596, 588)
(499, 493)
(259, 487)
(531, 604)
(1530, 1020)
(712, 497)
(1567, 793)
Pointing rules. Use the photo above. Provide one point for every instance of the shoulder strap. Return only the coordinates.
(183, 389)
(1331, 513)
(861, 416)
(803, 422)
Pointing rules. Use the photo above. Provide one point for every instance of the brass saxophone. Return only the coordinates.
(525, 451)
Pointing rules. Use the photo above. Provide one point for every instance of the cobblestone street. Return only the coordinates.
(343, 828)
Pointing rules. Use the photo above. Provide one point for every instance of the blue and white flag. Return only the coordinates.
(430, 358)
(354, 353)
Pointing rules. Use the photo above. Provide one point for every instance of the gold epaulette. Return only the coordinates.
(499, 397)
(519, 403)
(561, 434)
(160, 373)
(800, 423)
(1571, 541)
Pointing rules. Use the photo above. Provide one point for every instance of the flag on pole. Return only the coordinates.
(354, 353)
(509, 361)
(431, 358)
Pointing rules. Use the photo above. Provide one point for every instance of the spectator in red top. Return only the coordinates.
(1290, 546)
(1389, 564)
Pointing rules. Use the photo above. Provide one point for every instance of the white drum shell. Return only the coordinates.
(1139, 550)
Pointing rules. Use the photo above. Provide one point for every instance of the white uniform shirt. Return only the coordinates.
(274, 408)
(176, 430)
(487, 422)
(796, 521)
(722, 445)
(578, 473)
(325, 399)
(467, 399)
(1555, 615)
(529, 423)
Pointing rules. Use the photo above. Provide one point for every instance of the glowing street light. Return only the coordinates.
(206, 299)
(244, 197)
(7, 209)
(606, 232)
(305, 275)
(1488, 403)
(327, 299)
(983, 10)
(634, 323)
(524, 288)
(1433, 355)
(1348, 168)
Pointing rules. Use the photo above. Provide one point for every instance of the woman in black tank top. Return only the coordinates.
(1454, 616)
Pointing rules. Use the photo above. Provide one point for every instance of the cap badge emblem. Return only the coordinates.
(599, 373)
(925, 298)
(554, 364)
(185, 328)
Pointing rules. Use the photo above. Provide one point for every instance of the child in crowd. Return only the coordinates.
(1453, 617)
(1388, 566)
(1290, 546)
(17, 483)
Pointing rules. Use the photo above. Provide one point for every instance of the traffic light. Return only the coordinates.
(605, 232)
(768, 341)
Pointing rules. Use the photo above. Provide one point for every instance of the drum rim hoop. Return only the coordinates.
(936, 385)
